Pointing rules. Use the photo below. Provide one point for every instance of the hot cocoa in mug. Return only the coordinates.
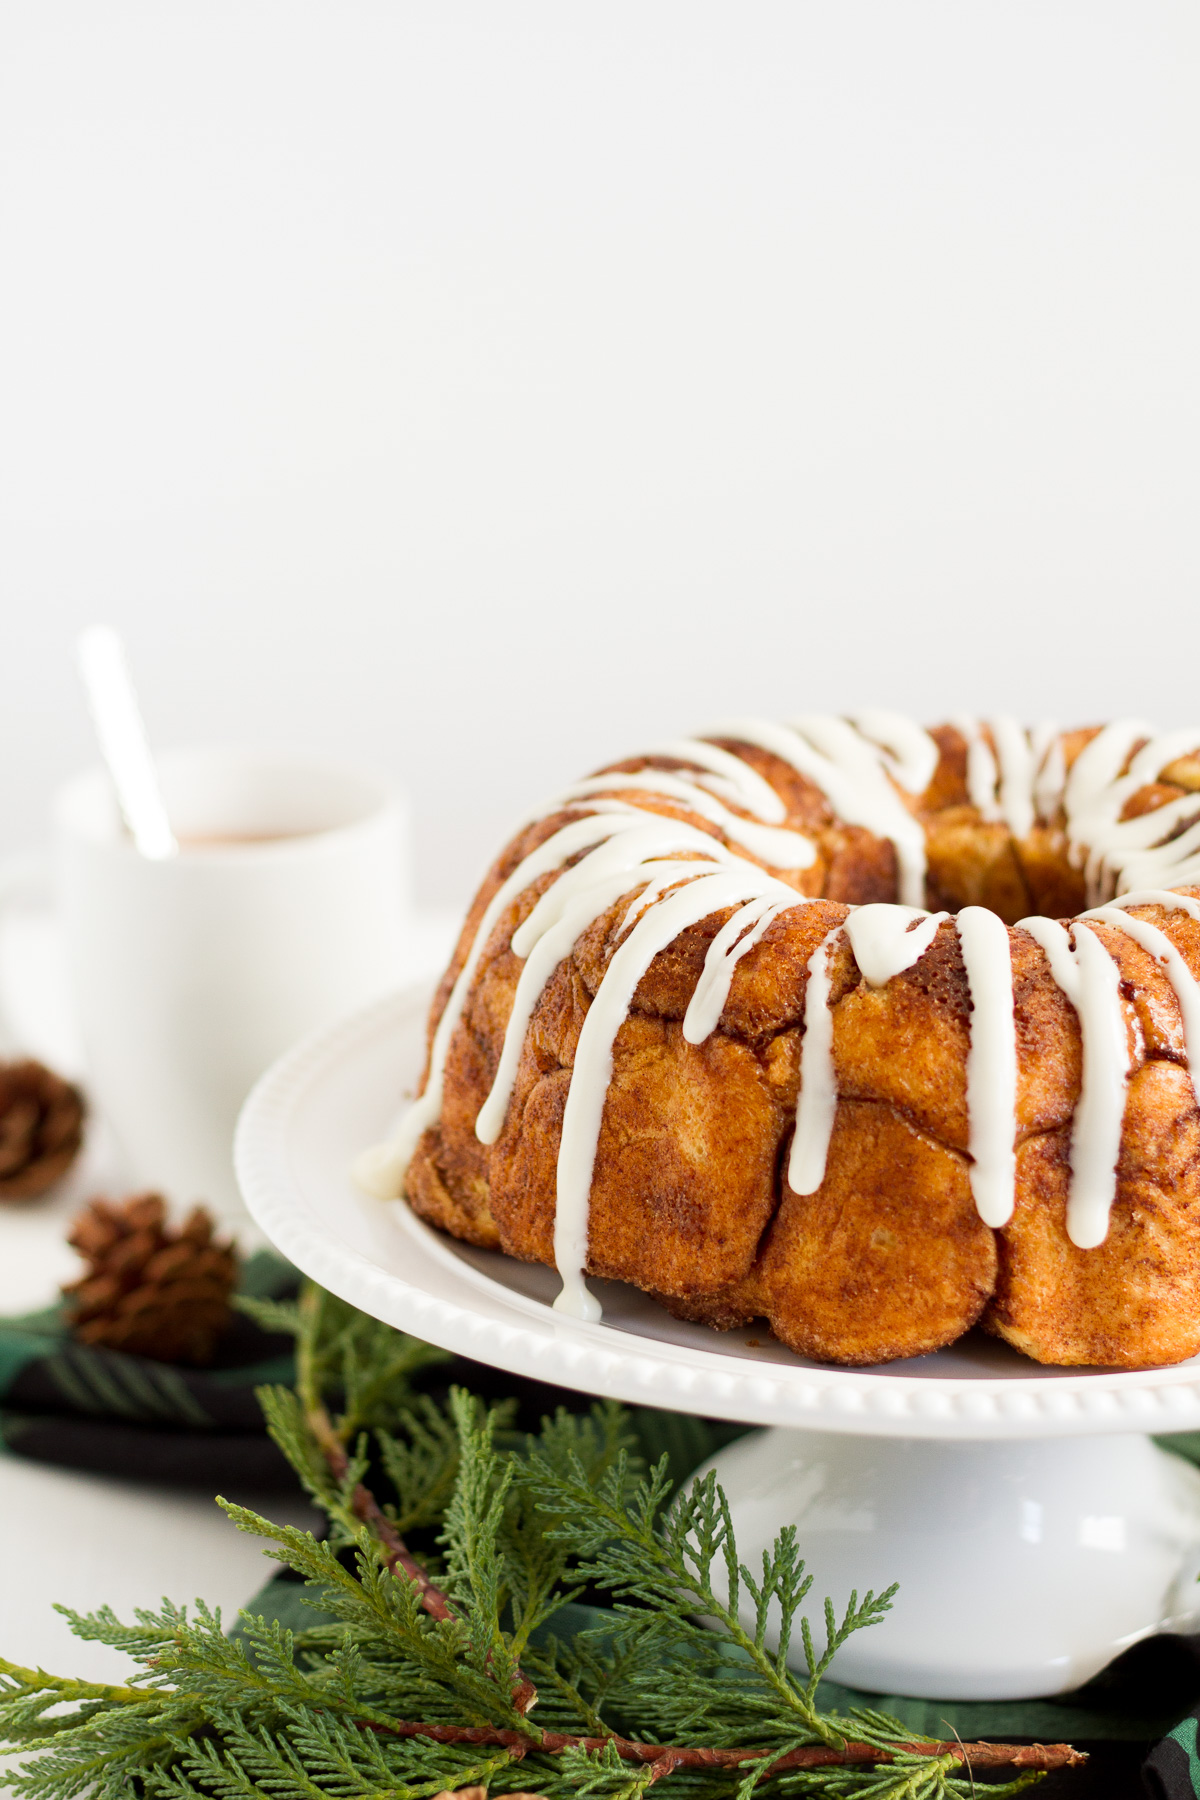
(285, 907)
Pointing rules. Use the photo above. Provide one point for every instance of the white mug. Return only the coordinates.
(285, 906)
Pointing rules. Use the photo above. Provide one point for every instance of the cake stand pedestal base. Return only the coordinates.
(1024, 1566)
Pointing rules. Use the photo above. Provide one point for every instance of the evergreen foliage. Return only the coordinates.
(406, 1692)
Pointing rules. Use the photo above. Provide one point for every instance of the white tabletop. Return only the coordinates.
(85, 1539)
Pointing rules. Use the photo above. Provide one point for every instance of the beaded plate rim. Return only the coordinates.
(462, 1309)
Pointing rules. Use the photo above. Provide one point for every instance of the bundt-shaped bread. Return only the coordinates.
(780, 1023)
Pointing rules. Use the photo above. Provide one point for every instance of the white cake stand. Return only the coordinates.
(1034, 1528)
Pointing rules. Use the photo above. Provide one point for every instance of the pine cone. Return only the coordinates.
(41, 1129)
(150, 1290)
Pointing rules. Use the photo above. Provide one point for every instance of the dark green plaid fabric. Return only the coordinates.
(1173, 1767)
(110, 1413)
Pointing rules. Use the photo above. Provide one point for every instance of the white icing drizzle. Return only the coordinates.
(1089, 978)
(647, 850)
(911, 755)
(680, 875)
(643, 855)
(1184, 983)
(889, 939)
(1090, 796)
(982, 774)
(660, 883)
(381, 1170)
(561, 932)
(851, 772)
(1163, 897)
(738, 935)
(1118, 854)
(685, 875)
(779, 848)
(816, 1103)
(1050, 765)
(659, 926)
(1096, 1132)
(1001, 780)
(727, 774)
(885, 940)
(1018, 769)
(1054, 941)
(991, 1063)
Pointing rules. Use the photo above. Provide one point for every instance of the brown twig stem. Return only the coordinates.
(396, 1554)
(665, 1758)
(367, 1509)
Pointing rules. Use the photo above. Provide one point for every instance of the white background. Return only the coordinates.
(484, 389)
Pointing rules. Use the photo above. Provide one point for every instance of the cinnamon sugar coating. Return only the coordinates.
(888, 1258)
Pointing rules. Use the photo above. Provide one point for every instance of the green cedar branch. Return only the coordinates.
(395, 1698)
(662, 1759)
(367, 1510)
(331, 1440)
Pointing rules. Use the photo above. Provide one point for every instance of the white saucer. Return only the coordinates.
(344, 1089)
